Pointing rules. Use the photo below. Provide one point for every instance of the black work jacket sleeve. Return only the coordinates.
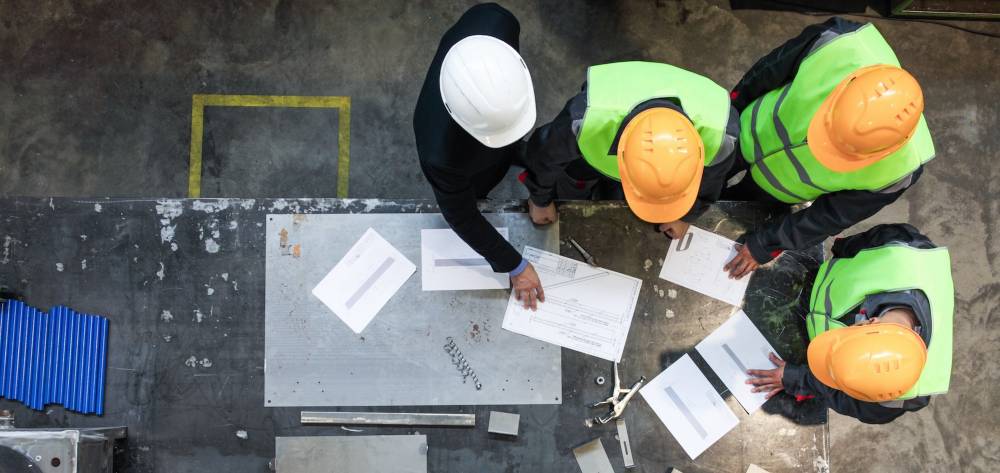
(799, 381)
(551, 148)
(713, 178)
(456, 198)
(828, 215)
(779, 66)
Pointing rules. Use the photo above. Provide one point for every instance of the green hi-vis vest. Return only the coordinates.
(774, 128)
(614, 90)
(843, 284)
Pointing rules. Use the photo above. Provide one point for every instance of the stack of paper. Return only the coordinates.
(364, 280)
(695, 261)
(732, 349)
(587, 309)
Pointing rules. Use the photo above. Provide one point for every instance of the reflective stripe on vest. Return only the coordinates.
(774, 127)
(845, 282)
(614, 90)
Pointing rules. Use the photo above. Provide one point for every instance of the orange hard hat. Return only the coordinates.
(660, 160)
(874, 363)
(868, 116)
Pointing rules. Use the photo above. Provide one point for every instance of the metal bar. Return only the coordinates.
(387, 418)
(624, 443)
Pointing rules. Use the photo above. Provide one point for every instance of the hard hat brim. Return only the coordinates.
(659, 211)
(498, 140)
(821, 144)
(818, 357)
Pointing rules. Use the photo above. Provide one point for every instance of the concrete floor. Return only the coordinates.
(95, 100)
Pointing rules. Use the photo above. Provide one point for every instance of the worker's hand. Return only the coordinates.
(528, 288)
(741, 264)
(542, 215)
(675, 229)
(768, 381)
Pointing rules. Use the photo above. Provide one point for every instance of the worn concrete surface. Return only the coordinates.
(95, 100)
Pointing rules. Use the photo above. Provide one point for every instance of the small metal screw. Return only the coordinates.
(599, 380)
(56, 461)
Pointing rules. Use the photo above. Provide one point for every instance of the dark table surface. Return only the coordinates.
(110, 257)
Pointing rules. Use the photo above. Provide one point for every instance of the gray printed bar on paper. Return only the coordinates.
(739, 364)
(382, 268)
(686, 411)
(446, 262)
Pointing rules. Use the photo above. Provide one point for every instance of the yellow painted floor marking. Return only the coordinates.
(200, 101)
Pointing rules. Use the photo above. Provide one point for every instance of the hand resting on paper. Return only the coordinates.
(768, 380)
(742, 264)
(527, 287)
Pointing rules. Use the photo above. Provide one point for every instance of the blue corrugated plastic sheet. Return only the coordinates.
(57, 357)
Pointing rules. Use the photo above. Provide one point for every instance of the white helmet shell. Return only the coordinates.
(487, 90)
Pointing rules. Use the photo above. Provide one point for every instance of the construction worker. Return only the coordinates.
(476, 103)
(661, 135)
(829, 118)
(880, 328)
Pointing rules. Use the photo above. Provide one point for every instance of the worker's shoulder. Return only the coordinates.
(487, 10)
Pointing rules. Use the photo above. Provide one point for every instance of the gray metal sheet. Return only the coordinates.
(355, 454)
(313, 359)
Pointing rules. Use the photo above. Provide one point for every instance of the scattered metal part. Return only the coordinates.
(387, 418)
(599, 380)
(458, 359)
(586, 256)
(617, 402)
(624, 443)
(504, 423)
(77, 450)
(592, 457)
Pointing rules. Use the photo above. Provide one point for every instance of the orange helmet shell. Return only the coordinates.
(874, 363)
(868, 116)
(661, 159)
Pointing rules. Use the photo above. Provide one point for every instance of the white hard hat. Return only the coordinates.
(487, 90)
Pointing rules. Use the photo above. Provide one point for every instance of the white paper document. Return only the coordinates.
(364, 280)
(448, 264)
(587, 309)
(732, 349)
(688, 405)
(695, 261)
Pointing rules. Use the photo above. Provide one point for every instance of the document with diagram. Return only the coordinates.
(449, 264)
(695, 261)
(688, 405)
(732, 349)
(586, 308)
(364, 280)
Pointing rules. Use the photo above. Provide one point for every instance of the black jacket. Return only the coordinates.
(798, 380)
(459, 168)
(553, 152)
(830, 213)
